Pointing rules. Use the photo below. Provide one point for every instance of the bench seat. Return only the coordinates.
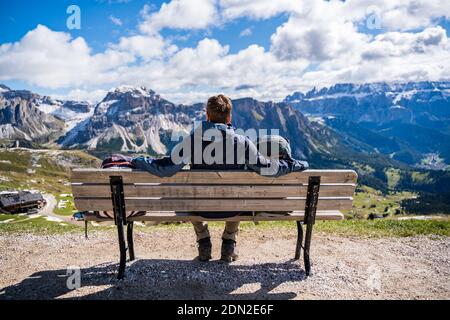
(172, 216)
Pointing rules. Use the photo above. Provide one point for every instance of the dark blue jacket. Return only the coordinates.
(249, 159)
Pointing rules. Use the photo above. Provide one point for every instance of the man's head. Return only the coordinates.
(218, 109)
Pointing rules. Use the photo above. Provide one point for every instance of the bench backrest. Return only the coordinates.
(212, 191)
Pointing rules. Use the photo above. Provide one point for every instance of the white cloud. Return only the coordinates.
(115, 20)
(92, 96)
(395, 15)
(180, 14)
(399, 15)
(398, 44)
(260, 9)
(144, 46)
(208, 68)
(393, 56)
(316, 34)
(413, 14)
(246, 32)
(55, 60)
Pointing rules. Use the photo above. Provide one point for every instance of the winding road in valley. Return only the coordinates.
(49, 207)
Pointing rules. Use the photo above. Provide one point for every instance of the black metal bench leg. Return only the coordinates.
(130, 240)
(298, 248)
(123, 251)
(120, 218)
(306, 257)
(86, 230)
(312, 198)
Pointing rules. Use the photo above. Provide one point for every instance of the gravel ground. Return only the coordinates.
(35, 267)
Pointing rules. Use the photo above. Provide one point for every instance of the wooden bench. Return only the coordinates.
(310, 195)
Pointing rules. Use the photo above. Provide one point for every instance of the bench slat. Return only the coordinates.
(164, 204)
(212, 191)
(211, 177)
(178, 217)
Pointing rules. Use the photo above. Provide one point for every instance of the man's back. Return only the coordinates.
(216, 146)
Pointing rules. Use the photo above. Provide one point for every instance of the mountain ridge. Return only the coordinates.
(415, 115)
(137, 119)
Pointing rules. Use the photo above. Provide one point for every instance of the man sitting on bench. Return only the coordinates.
(214, 145)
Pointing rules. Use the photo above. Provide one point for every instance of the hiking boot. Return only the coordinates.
(227, 252)
(204, 249)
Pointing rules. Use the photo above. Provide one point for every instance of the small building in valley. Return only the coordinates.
(20, 201)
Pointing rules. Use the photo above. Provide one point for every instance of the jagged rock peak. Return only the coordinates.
(4, 88)
(134, 91)
(370, 88)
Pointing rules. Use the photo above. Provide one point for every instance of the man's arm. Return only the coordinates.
(271, 167)
(163, 167)
(166, 167)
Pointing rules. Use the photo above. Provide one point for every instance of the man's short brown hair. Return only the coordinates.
(219, 109)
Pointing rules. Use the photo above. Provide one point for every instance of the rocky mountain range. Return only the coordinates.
(405, 123)
(131, 120)
(36, 120)
(414, 102)
(20, 119)
(409, 122)
(138, 120)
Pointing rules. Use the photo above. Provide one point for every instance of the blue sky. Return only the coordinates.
(20, 16)
(189, 49)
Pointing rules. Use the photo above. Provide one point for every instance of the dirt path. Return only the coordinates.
(50, 206)
(344, 268)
